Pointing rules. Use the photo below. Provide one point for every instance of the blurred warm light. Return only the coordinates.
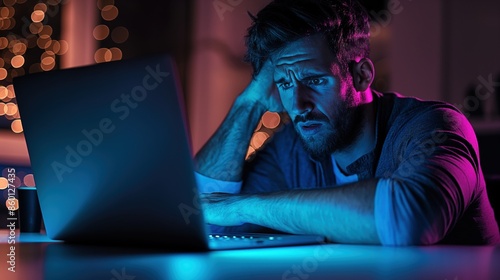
(7, 23)
(16, 126)
(3, 108)
(3, 183)
(101, 32)
(40, 7)
(119, 34)
(271, 120)
(47, 54)
(11, 93)
(116, 53)
(109, 12)
(12, 205)
(258, 139)
(3, 73)
(36, 27)
(17, 61)
(3, 93)
(48, 63)
(44, 41)
(11, 2)
(54, 47)
(103, 55)
(4, 12)
(3, 43)
(19, 48)
(103, 3)
(37, 16)
(17, 115)
(46, 30)
(11, 109)
(250, 152)
(64, 47)
(29, 180)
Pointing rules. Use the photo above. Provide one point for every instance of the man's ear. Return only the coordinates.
(363, 73)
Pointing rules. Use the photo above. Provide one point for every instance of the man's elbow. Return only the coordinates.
(412, 234)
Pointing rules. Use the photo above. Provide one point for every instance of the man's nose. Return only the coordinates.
(301, 103)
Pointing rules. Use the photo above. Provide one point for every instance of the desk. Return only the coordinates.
(37, 257)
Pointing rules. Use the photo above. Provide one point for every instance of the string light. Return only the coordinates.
(119, 35)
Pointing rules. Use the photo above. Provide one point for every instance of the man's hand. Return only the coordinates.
(262, 89)
(222, 209)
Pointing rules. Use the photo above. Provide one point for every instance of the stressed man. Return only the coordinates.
(354, 165)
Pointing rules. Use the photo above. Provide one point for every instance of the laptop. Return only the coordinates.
(110, 152)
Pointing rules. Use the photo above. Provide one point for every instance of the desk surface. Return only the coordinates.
(36, 257)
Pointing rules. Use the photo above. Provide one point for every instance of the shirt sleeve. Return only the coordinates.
(209, 185)
(437, 174)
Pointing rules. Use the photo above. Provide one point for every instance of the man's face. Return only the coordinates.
(322, 107)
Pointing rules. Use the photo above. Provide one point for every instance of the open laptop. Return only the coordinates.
(111, 157)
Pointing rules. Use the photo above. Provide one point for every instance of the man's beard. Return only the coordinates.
(336, 135)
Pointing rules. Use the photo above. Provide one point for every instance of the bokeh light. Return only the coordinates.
(17, 61)
(3, 108)
(119, 34)
(11, 93)
(109, 12)
(10, 3)
(3, 73)
(258, 139)
(101, 32)
(40, 7)
(46, 30)
(19, 48)
(4, 92)
(3, 183)
(250, 152)
(29, 180)
(11, 109)
(37, 16)
(271, 120)
(36, 27)
(16, 126)
(12, 204)
(116, 53)
(103, 55)
(48, 63)
(3, 43)
(64, 47)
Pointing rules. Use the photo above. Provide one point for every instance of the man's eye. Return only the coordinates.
(285, 85)
(315, 82)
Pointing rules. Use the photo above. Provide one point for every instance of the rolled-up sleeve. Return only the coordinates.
(434, 182)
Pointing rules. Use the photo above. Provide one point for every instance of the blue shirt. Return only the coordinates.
(430, 190)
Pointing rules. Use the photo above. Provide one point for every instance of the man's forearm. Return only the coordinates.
(344, 214)
(223, 156)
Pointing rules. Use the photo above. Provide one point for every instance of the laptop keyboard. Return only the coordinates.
(239, 238)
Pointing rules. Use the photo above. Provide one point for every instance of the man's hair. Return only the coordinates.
(343, 23)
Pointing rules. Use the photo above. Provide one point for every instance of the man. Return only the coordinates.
(354, 165)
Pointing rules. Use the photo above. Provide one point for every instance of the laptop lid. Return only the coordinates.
(109, 150)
